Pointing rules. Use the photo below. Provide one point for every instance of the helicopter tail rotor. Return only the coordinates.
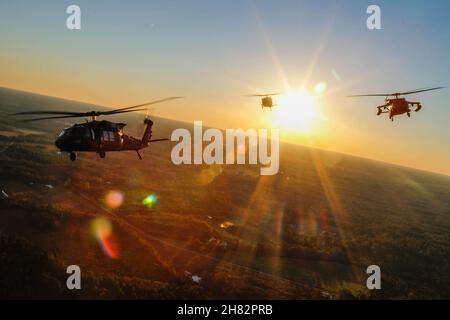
(147, 132)
(147, 136)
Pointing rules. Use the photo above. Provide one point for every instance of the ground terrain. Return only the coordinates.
(309, 232)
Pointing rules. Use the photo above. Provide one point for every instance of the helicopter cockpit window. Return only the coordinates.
(65, 132)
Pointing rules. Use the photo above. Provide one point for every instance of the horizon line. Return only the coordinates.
(207, 126)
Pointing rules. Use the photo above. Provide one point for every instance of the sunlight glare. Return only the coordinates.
(296, 111)
(320, 87)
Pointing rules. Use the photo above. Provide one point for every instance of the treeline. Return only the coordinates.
(40, 216)
(28, 272)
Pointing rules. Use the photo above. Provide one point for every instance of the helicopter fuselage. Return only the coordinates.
(266, 102)
(101, 137)
(397, 106)
(91, 136)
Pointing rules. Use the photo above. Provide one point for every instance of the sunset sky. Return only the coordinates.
(215, 52)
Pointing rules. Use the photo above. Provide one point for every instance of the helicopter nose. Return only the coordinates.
(58, 143)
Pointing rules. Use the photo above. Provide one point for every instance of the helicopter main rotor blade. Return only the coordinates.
(47, 112)
(148, 103)
(420, 90)
(68, 114)
(117, 112)
(395, 94)
(264, 95)
(370, 95)
(82, 115)
(47, 118)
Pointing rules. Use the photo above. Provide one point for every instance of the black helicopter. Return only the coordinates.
(98, 136)
(266, 99)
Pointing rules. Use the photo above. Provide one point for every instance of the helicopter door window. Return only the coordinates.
(111, 136)
(105, 136)
(86, 133)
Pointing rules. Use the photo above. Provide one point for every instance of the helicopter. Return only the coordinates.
(396, 105)
(266, 99)
(98, 136)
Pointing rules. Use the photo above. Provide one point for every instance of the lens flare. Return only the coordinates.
(320, 87)
(102, 230)
(208, 175)
(150, 200)
(114, 199)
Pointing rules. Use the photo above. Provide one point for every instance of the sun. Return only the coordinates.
(296, 111)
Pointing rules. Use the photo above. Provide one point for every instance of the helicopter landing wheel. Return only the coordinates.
(73, 156)
(102, 154)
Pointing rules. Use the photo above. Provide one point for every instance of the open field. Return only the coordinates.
(308, 232)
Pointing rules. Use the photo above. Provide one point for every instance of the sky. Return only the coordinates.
(216, 52)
